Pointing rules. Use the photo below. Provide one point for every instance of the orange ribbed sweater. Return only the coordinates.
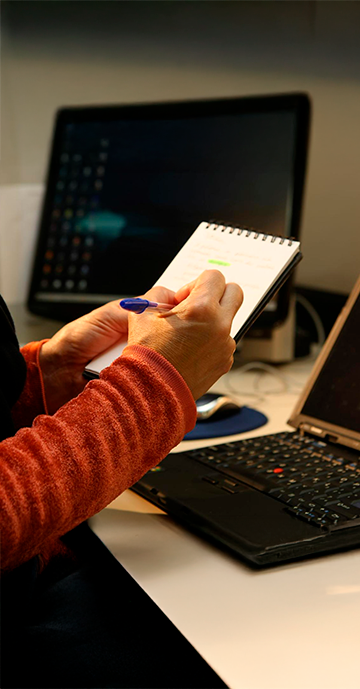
(59, 470)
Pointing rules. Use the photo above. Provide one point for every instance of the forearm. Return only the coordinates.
(31, 402)
(69, 466)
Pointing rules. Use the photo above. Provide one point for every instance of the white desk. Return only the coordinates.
(294, 627)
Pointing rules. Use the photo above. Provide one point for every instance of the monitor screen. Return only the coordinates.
(128, 185)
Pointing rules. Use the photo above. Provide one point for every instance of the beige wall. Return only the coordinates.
(57, 53)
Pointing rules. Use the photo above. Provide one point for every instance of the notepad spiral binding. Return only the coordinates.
(250, 231)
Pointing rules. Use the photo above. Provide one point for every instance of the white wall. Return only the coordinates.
(63, 53)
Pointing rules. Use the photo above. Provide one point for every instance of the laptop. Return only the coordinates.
(286, 496)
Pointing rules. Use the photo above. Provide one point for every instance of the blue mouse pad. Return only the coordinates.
(246, 419)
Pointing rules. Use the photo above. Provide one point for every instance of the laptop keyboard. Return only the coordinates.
(315, 485)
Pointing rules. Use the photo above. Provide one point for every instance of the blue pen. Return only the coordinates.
(139, 305)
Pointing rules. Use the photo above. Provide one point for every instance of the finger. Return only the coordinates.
(109, 314)
(211, 283)
(232, 299)
(184, 291)
(162, 294)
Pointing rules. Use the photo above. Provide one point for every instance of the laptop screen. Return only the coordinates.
(335, 395)
(127, 187)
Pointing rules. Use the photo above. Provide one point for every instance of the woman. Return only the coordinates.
(68, 449)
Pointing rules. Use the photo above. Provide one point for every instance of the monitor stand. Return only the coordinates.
(276, 346)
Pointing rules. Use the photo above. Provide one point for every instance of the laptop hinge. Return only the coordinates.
(326, 435)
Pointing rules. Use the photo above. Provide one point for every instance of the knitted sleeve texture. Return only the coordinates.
(66, 467)
(31, 402)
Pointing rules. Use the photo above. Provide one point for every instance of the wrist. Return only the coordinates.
(61, 380)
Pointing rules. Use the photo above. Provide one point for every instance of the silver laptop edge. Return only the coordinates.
(313, 425)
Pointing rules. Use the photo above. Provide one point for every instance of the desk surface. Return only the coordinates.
(293, 627)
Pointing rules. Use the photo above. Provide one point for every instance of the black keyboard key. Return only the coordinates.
(311, 492)
(345, 509)
(228, 490)
(278, 493)
(249, 478)
(304, 514)
(210, 479)
(323, 500)
(334, 517)
(333, 493)
(348, 494)
(318, 518)
(230, 483)
(345, 523)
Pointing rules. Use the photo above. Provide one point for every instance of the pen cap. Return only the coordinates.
(136, 305)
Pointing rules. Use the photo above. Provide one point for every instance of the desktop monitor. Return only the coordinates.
(127, 185)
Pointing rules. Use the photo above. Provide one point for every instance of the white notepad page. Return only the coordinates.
(252, 259)
(105, 359)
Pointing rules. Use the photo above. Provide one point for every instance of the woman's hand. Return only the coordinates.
(64, 357)
(195, 335)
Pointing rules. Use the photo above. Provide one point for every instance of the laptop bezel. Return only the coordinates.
(312, 424)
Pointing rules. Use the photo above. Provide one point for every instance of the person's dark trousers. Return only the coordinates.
(93, 626)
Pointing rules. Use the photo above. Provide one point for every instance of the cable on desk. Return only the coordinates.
(320, 330)
(287, 382)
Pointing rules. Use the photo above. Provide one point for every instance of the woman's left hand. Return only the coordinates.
(64, 357)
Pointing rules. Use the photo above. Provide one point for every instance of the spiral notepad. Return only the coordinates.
(258, 262)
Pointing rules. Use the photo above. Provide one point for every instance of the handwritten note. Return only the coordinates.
(252, 260)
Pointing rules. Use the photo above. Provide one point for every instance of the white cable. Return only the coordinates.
(321, 336)
(286, 381)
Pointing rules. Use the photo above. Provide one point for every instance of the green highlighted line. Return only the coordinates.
(218, 263)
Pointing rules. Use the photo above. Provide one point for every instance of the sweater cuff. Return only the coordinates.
(32, 401)
(170, 375)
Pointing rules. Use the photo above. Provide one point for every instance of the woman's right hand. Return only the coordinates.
(195, 335)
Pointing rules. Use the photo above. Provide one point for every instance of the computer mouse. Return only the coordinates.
(213, 406)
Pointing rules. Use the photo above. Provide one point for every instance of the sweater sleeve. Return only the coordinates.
(69, 466)
(31, 402)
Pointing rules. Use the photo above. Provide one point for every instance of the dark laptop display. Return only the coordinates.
(128, 185)
(285, 496)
